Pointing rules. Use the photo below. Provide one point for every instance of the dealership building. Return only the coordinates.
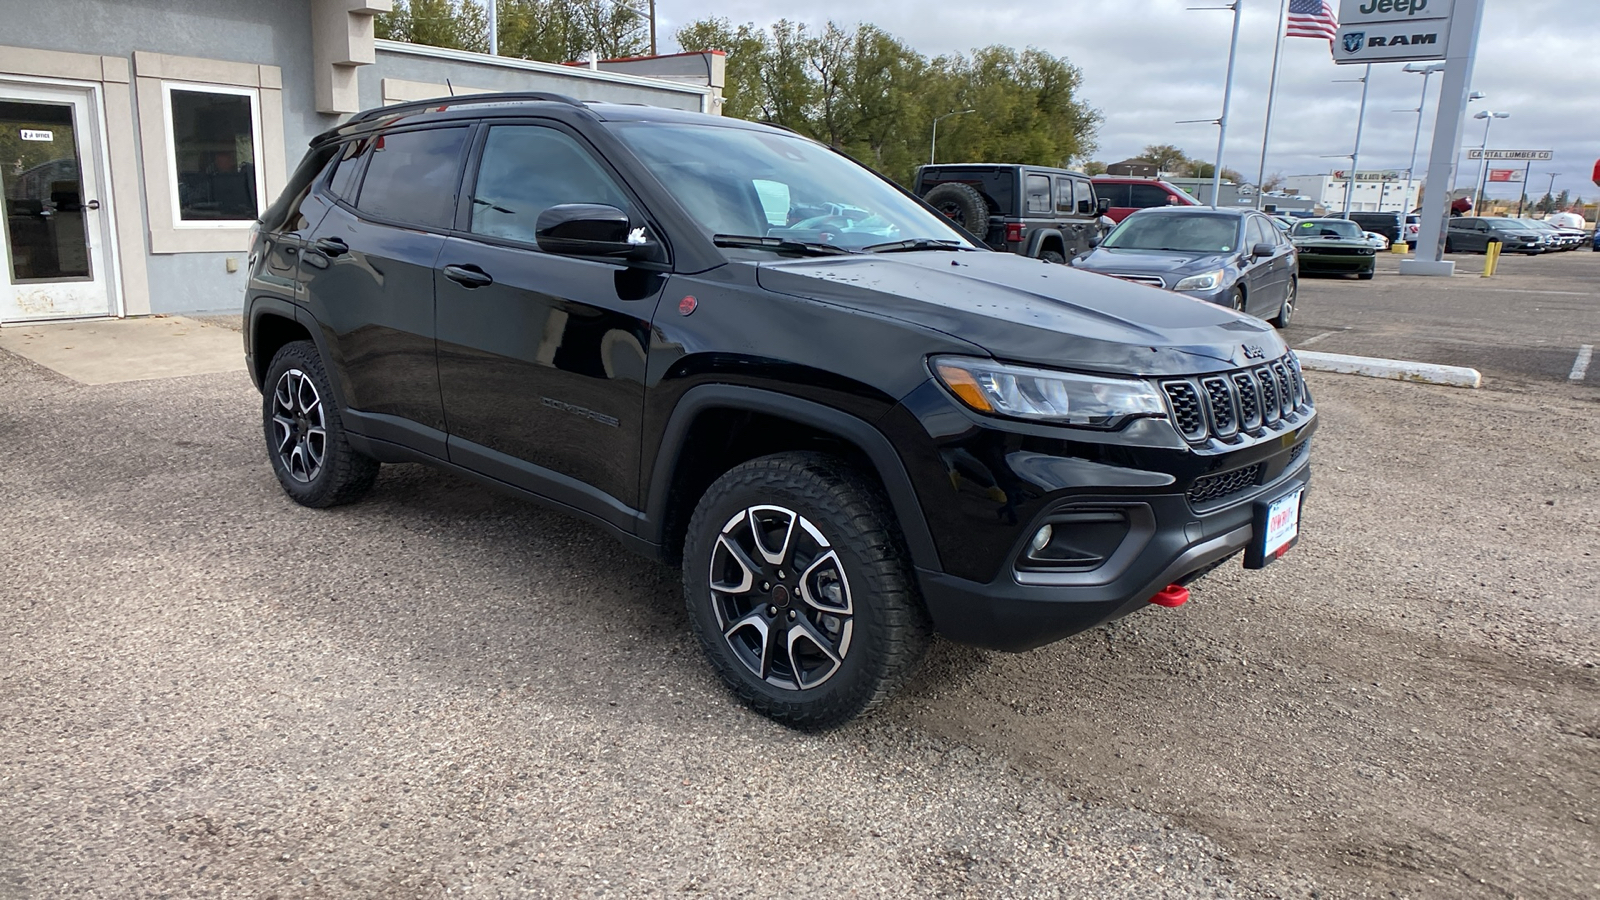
(1385, 191)
(139, 139)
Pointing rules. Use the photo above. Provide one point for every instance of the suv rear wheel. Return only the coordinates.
(962, 204)
(305, 435)
(799, 592)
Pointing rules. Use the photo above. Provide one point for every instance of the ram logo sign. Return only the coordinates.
(1392, 30)
(1354, 41)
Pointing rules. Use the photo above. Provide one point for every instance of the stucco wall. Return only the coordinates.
(276, 33)
(479, 72)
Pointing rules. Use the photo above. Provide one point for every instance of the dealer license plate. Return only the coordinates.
(1277, 528)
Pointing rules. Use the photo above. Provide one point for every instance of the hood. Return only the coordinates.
(1153, 262)
(1030, 311)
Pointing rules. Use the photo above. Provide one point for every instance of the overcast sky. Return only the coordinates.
(1148, 63)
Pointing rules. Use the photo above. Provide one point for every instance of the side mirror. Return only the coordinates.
(1084, 208)
(1095, 239)
(591, 229)
(1103, 205)
(1263, 249)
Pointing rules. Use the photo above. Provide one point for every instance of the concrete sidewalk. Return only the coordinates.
(110, 351)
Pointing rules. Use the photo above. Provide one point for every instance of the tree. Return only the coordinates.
(1094, 167)
(1199, 169)
(550, 30)
(1546, 204)
(457, 24)
(1166, 157)
(1272, 182)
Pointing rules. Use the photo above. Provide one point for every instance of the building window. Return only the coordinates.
(213, 154)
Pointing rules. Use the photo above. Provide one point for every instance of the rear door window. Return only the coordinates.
(1064, 196)
(1037, 191)
(343, 184)
(1144, 196)
(412, 177)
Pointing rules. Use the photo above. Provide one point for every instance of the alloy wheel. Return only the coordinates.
(299, 426)
(781, 597)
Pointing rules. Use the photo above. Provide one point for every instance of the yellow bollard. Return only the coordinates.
(1399, 247)
(1491, 258)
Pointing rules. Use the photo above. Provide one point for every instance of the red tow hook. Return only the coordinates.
(1173, 595)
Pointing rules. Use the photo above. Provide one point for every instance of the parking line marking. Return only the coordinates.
(1580, 366)
(1314, 338)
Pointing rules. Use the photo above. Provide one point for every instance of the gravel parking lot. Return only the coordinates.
(209, 691)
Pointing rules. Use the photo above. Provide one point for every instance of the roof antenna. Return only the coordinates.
(450, 87)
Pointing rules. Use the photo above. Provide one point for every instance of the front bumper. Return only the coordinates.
(1008, 614)
(1139, 509)
(1340, 263)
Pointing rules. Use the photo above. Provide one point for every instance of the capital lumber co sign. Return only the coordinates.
(1476, 153)
(1392, 30)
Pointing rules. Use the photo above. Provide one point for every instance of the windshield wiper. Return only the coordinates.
(913, 244)
(782, 245)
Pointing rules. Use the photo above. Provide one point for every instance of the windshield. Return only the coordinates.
(1329, 228)
(737, 181)
(1192, 233)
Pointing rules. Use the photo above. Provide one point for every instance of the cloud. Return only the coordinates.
(1149, 63)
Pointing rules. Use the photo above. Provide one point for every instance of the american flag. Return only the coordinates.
(1311, 19)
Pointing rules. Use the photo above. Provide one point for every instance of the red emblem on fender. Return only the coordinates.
(687, 304)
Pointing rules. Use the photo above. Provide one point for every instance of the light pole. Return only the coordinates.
(1426, 72)
(1455, 176)
(1355, 155)
(933, 146)
(1483, 154)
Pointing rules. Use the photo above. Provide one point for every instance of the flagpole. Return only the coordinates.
(1272, 96)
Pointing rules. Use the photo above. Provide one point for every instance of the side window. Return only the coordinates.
(1037, 191)
(1116, 193)
(1064, 196)
(1257, 232)
(343, 184)
(1144, 196)
(1084, 194)
(412, 177)
(527, 169)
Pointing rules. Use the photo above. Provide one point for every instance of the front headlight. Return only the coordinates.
(1086, 401)
(1208, 281)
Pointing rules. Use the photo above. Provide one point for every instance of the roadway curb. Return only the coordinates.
(1398, 369)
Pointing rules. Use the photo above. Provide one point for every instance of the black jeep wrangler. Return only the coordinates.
(1049, 214)
(737, 351)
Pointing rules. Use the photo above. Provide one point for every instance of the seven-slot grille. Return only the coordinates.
(1221, 406)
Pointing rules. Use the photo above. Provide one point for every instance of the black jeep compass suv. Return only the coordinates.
(738, 351)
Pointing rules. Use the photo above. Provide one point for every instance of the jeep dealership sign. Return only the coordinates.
(1392, 30)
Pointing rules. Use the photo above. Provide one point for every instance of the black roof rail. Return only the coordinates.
(465, 99)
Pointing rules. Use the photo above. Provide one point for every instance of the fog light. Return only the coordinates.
(1041, 539)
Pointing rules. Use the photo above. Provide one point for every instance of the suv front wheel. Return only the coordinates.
(305, 434)
(799, 592)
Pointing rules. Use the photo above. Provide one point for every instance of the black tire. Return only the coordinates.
(299, 412)
(871, 647)
(1051, 256)
(1365, 276)
(1286, 311)
(962, 204)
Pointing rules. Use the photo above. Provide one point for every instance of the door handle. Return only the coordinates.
(92, 204)
(468, 276)
(331, 246)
